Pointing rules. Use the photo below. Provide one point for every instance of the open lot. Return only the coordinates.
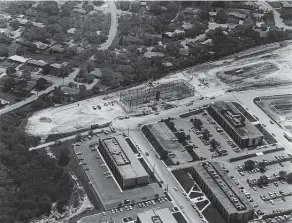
(72, 117)
(108, 190)
(278, 108)
(247, 73)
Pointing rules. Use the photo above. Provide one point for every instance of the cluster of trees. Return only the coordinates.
(5, 41)
(33, 181)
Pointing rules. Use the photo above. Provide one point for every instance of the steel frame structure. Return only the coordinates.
(168, 91)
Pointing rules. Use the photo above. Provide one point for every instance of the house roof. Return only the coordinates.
(237, 14)
(71, 30)
(40, 63)
(22, 21)
(39, 24)
(96, 72)
(57, 48)
(58, 66)
(18, 58)
(81, 11)
(41, 45)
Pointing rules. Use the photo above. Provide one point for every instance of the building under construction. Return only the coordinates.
(173, 90)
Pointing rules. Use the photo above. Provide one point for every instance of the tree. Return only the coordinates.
(3, 50)
(221, 17)
(198, 123)
(172, 49)
(38, 105)
(289, 178)
(263, 180)
(15, 24)
(8, 84)
(26, 75)
(249, 165)
(214, 144)
(124, 5)
(78, 137)
(262, 167)
(5, 39)
(282, 175)
(180, 17)
(193, 32)
(20, 51)
(64, 158)
(41, 84)
(206, 134)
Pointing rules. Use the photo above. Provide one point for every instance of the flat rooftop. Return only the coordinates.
(157, 216)
(224, 189)
(236, 120)
(125, 159)
(166, 138)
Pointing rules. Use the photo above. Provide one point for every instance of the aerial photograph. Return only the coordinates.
(145, 111)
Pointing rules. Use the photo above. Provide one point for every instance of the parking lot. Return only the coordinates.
(102, 180)
(123, 215)
(272, 196)
(201, 146)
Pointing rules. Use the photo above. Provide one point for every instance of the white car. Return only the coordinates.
(175, 189)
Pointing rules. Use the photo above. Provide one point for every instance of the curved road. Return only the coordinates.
(114, 26)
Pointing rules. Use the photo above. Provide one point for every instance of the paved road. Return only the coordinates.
(35, 97)
(114, 26)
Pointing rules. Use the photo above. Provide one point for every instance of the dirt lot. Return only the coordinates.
(249, 73)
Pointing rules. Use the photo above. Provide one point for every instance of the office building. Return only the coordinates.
(231, 203)
(122, 161)
(234, 123)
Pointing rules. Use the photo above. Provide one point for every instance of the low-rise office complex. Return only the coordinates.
(222, 192)
(235, 124)
(123, 163)
(156, 216)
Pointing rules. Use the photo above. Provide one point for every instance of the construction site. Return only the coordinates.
(173, 90)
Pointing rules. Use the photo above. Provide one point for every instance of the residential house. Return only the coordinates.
(57, 48)
(263, 33)
(40, 45)
(187, 26)
(38, 24)
(286, 5)
(237, 15)
(37, 63)
(131, 40)
(258, 16)
(151, 39)
(18, 59)
(69, 94)
(176, 34)
(22, 21)
(71, 31)
(79, 11)
(97, 73)
(208, 42)
(190, 11)
(184, 51)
